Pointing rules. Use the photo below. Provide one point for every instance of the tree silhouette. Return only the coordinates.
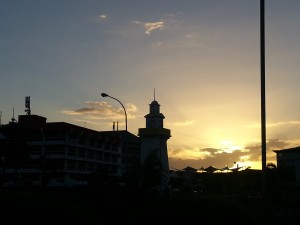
(271, 166)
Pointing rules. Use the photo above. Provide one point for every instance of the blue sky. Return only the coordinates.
(202, 57)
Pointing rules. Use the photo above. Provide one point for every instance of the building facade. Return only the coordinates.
(60, 154)
(289, 159)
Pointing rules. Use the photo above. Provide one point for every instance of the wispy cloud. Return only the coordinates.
(281, 123)
(150, 26)
(103, 110)
(185, 123)
(153, 26)
(102, 16)
(186, 152)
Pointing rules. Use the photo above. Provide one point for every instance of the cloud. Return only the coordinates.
(213, 158)
(150, 26)
(153, 26)
(281, 123)
(198, 157)
(103, 17)
(273, 144)
(255, 151)
(103, 110)
(185, 123)
(81, 111)
(249, 156)
(131, 107)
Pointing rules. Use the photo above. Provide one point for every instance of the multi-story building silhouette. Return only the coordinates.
(35, 152)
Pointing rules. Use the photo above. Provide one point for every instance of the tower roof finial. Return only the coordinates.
(154, 94)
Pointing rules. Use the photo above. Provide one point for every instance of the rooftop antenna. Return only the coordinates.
(154, 94)
(27, 105)
(13, 118)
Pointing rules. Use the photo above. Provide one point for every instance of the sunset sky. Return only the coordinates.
(202, 57)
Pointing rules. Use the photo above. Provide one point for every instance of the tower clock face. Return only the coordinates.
(151, 123)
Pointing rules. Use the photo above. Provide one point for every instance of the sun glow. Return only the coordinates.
(228, 146)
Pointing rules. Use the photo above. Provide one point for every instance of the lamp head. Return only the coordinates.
(104, 94)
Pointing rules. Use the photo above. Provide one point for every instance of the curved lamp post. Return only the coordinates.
(106, 95)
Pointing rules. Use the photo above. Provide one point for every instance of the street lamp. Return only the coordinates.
(106, 95)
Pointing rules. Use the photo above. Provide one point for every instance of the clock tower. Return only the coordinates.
(154, 153)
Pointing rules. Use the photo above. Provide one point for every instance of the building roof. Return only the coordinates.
(288, 150)
(189, 168)
(211, 169)
(36, 123)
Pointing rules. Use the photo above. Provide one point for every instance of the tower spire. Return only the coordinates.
(154, 94)
(13, 117)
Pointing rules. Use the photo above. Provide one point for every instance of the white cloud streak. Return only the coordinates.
(150, 26)
(103, 16)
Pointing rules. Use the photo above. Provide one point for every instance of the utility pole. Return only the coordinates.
(263, 95)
